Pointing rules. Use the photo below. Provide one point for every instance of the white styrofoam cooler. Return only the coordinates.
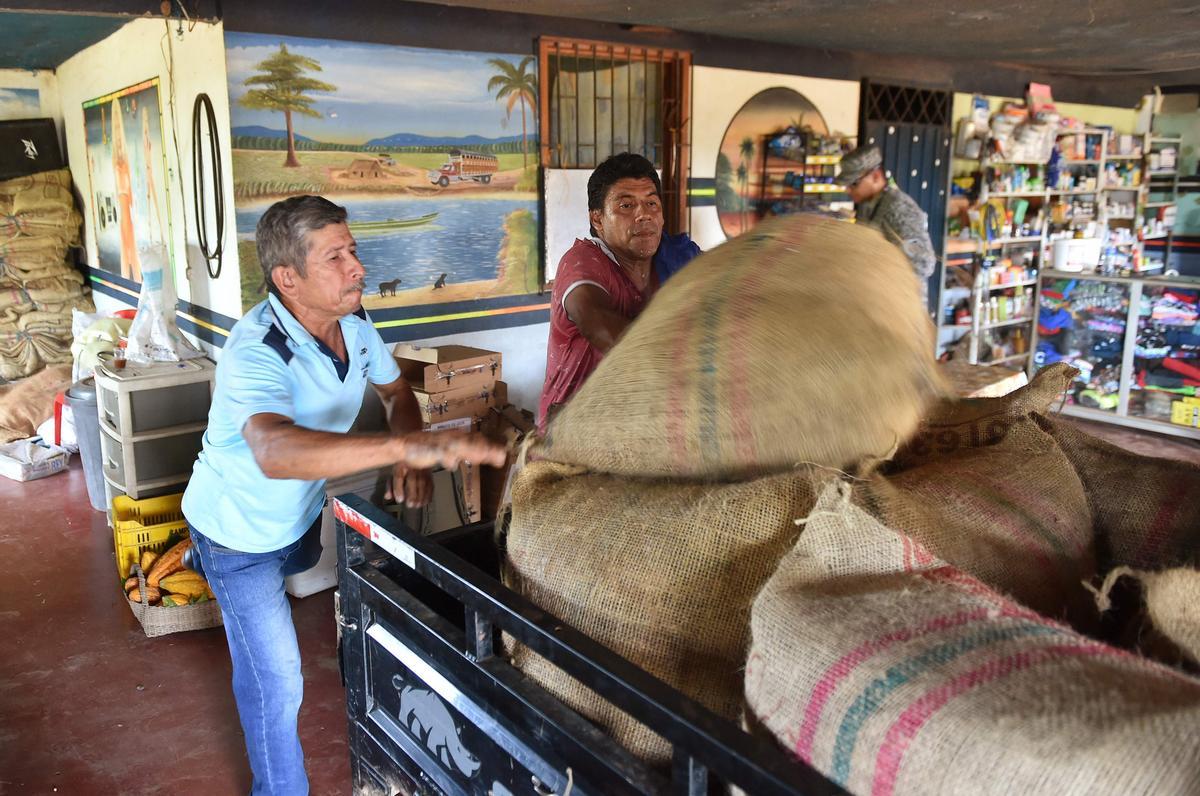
(369, 486)
(1076, 254)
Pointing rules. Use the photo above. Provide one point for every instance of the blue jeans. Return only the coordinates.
(267, 683)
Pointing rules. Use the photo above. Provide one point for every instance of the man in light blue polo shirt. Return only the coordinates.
(290, 384)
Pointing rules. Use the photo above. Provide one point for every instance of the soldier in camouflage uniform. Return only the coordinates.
(884, 206)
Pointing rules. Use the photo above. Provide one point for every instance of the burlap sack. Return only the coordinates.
(1156, 614)
(985, 488)
(1146, 510)
(18, 356)
(25, 254)
(27, 404)
(66, 285)
(804, 340)
(13, 295)
(661, 573)
(82, 302)
(923, 680)
(42, 206)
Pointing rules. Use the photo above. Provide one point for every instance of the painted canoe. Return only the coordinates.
(368, 228)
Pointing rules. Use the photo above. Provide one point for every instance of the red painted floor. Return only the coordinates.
(89, 705)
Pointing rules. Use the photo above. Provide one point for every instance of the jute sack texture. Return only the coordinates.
(41, 206)
(924, 680)
(802, 341)
(985, 488)
(661, 573)
(1146, 510)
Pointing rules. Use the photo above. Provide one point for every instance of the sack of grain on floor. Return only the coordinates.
(662, 573)
(42, 206)
(921, 679)
(803, 340)
(983, 486)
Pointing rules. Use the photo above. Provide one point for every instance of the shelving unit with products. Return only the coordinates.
(799, 173)
(1157, 209)
(1133, 340)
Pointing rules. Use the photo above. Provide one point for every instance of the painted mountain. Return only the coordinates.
(412, 139)
(258, 130)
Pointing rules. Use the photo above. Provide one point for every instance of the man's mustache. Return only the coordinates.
(358, 287)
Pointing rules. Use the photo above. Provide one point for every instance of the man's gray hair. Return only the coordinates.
(282, 233)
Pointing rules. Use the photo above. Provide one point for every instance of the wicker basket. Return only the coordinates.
(160, 620)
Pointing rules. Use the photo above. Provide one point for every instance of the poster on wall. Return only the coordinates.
(19, 103)
(433, 153)
(127, 172)
(750, 154)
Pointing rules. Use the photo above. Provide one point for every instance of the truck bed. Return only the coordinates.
(434, 708)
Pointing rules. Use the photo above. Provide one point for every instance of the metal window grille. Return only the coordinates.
(599, 99)
(906, 105)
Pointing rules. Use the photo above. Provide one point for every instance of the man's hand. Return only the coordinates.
(450, 449)
(413, 488)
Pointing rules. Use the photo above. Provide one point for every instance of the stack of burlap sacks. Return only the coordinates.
(39, 285)
(764, 497)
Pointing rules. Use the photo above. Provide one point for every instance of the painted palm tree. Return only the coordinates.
(285, 85)
(742, 181)
(518, 86)
(746, 150)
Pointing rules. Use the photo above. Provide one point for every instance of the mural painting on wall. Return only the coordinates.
(744, 154)
(127, 171)
(433, 153)
(19, 103)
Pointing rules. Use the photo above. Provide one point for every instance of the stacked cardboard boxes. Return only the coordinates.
(456, 387)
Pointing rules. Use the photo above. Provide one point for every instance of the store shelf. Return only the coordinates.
(1016, 195)
(1026, 283)
(1162, 173)
(991, 162)
(1077, 192)
(1014, 241)
(1073, 162)
(1009, 322)
(1007, 359)
(823, 160)
(1122, 157)
(1123, 187)
(1084, 131)
(817, 187)
(1166, 139)
(1158, 204)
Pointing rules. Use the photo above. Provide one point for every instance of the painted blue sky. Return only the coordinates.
(382, 89)
(23, 103)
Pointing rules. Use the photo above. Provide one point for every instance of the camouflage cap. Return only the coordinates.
(859, 163)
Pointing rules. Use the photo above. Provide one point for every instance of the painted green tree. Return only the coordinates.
(746, 150)
(518, 86)
(285, 87)
(726, 194)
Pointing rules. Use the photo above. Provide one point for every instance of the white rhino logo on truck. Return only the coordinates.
(429, 720)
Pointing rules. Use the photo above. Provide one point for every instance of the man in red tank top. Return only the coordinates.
(604, 281)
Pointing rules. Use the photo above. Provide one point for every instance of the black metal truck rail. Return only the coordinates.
(434, 709)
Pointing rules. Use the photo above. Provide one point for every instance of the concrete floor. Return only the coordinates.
(89, 705)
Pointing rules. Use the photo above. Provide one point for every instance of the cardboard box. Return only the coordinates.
(467, 402)
(447, 367)
(1185, 414)
(27, 460)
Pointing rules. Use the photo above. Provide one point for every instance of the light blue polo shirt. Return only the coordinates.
(271, 364)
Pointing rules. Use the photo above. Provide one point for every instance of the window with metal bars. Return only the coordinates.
(599, 99)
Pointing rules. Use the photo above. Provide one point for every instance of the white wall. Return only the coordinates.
(718, 94)
(185, 67)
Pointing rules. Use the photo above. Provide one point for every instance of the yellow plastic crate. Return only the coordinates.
(146, 524)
